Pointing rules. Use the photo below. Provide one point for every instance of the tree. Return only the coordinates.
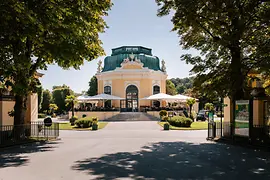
(71, 101)
(35, 33)
(92, 86)
(53, 108)
(190, 102)
(59, 95)
(40, 97)
(170, 88)
(232, 36)
(46, 100)
(209, 106)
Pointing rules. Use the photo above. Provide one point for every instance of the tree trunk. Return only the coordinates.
(190, 107)
(19, 109)
(19, 116)
(72, 107)
(237, 76)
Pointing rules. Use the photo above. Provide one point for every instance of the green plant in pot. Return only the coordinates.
(163, 113)
(95, 123)
(166, 126)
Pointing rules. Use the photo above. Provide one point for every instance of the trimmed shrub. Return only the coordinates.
(163, 113)
(41, 115)
(180, 121)
(73, 119)
(165, 118)
(84, 122)
(84, 115)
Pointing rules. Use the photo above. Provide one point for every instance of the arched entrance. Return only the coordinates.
(132, 94)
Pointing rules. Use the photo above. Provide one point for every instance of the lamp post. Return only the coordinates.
(221, 106)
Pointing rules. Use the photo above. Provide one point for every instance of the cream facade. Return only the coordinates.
(7, 105)
(129, 74)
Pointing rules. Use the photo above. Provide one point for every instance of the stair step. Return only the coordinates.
(132, 116)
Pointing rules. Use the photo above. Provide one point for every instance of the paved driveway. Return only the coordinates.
(132, 150)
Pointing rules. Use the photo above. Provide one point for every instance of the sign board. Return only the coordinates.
(211, 116)
(242, 110)
(48, 122)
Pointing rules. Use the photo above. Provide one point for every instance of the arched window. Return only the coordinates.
(108, 90)
(156, 89)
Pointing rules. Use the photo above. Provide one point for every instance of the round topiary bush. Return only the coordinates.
(163, 113)
(84, 115)
(180, 121)
(84, 122)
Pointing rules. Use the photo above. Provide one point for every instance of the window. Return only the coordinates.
(156, 89)
(108, 90)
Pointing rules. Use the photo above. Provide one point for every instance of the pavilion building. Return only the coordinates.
(132, 73)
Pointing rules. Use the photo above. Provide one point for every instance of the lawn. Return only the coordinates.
(67, 126)
(194, 126)
(200, 125)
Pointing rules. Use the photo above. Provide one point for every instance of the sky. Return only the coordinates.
(131, 22)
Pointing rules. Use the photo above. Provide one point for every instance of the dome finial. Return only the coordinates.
(163, 66)
(99, 69)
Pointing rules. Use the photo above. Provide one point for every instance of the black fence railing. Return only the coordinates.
(11, 134)
(254, 134)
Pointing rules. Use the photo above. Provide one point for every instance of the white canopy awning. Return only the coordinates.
(161, 96)
(83, 98)
(105, 97)
(183, 97)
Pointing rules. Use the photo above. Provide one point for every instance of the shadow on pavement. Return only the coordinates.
(180, 160)
(17, 155)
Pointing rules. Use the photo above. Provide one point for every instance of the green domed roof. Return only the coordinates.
(121, 53)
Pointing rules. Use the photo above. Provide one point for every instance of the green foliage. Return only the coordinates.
(209, 106)
(84, 115)
(84, 122)
(165, 118)
(170, 88)
(41, 115)
(95, 120)
(191, 102)
(183, 85)
(71, 100)
(46, 100)
(53, 108)
(59, 95)
(163, 113)
(232, 37)
(73, 119)
(37, 33)
(92, 86)
(180, 121)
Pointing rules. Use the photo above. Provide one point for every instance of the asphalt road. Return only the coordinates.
(132, 150)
